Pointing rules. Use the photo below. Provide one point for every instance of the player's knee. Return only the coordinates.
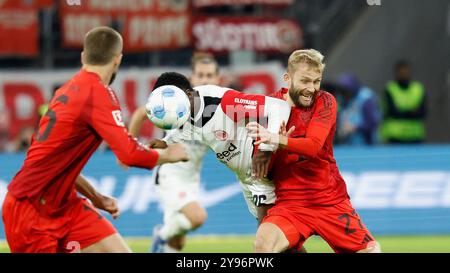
(262, 245)
(198, 219)
(372, 247)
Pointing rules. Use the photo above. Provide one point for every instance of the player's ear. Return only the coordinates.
(83, 57)
(190, 93)
(118, 59)
(287, 78)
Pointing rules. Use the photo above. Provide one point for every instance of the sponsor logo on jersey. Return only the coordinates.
(244, 101)
(228, 154)
(117, 115)
(221, 135)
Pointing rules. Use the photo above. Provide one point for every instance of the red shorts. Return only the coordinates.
(339, 225)
(28, 231)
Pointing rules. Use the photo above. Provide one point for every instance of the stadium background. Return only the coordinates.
(401, 192)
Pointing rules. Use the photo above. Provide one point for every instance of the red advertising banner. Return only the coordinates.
(208, 3)
(144, 25)
(19, 31)
(29, 4)
(224, 34)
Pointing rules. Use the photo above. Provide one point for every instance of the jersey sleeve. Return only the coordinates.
(276, 111)
(105, 117)
(237, 105)
(319, 128)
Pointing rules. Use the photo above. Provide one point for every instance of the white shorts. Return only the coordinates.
(257, 192)
(177, 185)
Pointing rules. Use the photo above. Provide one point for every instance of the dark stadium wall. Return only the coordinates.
(416, 30)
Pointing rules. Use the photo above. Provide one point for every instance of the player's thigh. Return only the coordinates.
(257, 195)
(88, 227)
(111, 244)
(262, 190)
(176, 191)
(27, 231)
(247, 194)
(195, 213)
(342, 228)
(262, 211)
(270, 238)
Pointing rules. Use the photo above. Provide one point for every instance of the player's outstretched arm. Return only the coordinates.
(263, 135)
(323, 119)
(277, 112)
(173, 153)
(99, 200)
(104, 115)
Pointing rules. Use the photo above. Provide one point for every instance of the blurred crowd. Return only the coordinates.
(394, 115)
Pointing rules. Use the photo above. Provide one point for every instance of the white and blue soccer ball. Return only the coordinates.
(168, 107)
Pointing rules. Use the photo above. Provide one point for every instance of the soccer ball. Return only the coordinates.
(168, 107)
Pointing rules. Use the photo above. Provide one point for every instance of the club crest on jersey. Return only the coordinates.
(221, 135)
(182, 194)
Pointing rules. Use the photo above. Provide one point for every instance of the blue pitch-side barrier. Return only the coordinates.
(396, 190)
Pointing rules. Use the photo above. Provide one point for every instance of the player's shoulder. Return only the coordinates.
(211, 90)
(102, 93)
(326, 98)
(279, 94)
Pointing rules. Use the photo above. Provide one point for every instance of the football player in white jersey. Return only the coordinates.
(178, 184)
(218, 119)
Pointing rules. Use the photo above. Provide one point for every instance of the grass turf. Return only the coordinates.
(242, 244)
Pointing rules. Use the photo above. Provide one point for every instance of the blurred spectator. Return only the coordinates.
(404, 108)
(231, 80)
(42, 109)
(205, 69)
(4, 129)
(23, 140)
(359, 115)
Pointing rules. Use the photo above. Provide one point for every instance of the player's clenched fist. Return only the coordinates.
(261, 134)
(173, 153)
(157, 144)
(107, 204)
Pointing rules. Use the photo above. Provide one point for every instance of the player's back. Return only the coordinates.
(61, 146)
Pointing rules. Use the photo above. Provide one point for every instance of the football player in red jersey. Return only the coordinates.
(311, 194)
(41, 211)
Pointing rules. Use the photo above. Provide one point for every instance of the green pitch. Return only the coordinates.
(238, 244)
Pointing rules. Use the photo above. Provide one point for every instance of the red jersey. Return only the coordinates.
(82, 113)
(305, 171)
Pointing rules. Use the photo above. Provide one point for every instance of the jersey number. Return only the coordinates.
(52, 120)
(258, 199)
(346, 218)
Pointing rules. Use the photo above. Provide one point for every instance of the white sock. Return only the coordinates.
(177, 225)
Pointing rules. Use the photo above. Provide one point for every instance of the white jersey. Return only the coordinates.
(196, 151)
(178, 184)
(220, 124)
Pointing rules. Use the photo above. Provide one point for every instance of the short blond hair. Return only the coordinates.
(311, 57)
